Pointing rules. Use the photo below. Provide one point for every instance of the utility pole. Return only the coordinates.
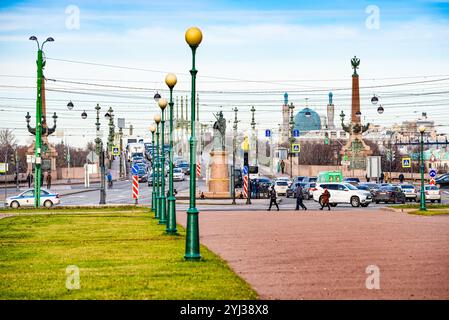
(233, 156)
(292, 138)
(100, 151)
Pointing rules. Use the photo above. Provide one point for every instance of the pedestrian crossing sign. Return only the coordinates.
(406, 163)
(296, 148)
(115, 150)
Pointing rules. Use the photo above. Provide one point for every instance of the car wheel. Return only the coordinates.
(377, 202)
(432, 201)
(403, 201)
(355, 201)
(48, 204)
(439, 201)
(365, 205)
(333, 204)
(15, 205)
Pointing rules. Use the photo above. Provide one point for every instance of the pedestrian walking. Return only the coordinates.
(42, 178)
(367, 178)
(282, 166)
(325, 199)
(382, 177)
(29, 179)
(257, 188)
(299, 197)
(48, 180)
(109, 177)
(401, 178)
(273, 199)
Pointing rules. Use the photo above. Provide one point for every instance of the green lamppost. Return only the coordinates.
(422, 202)
(110, 117)
(291, 107)
(38, 144)
(193, 37)
(162, 198)
(170, 81)
(153, 193)
(157, 119)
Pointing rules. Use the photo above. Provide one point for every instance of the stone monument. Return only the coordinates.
(355, 149)
(219, 176)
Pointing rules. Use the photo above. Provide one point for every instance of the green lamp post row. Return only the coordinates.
(167, 214)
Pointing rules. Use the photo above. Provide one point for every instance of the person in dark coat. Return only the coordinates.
(382, 177)
(299, 197)
(273, 199)
(282, 166)
(325, 199)
(29, 179)
(401, 178)
(48, 180)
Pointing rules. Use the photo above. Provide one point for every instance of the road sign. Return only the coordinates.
(3, 167)
(245, 170)
(267, 133)
(135, 187)
(432, 173)
(296, 148)
(432, 181)
(135, 169)
(92, 157)
(406, 163)
(115, 150)
(296, 133)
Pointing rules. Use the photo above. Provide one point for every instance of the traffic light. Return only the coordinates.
(13, 158)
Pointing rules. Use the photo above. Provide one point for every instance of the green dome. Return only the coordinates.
(303, 123)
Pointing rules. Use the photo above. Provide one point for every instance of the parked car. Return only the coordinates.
(309, 179)
(264, 186)
(307, 190)
(178, 175)
(298, 179)
(184, 167)
(286, 179)
(388, 194)
(280, 187)
(431, 193)
(353, 181)
(341, 192)
(442, 181)
(142, 173)
(291, 190)
(26, 199)
(409, 191)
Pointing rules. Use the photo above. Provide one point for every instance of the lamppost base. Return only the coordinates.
(163, 208)
(171, 219)
(193, 236)
(157, 208)
(153, 202)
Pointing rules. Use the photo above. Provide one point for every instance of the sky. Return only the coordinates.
(117, 53)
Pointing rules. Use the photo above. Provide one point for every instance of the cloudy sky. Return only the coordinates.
(117, 53)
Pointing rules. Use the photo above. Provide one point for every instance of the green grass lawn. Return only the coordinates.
(122, 253)
(432, 209)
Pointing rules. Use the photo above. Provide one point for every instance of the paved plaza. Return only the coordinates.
(324, 255)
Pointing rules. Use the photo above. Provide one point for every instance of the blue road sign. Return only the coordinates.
(296, 133)
(432, 173)
(135, 169)
(245, 170)
(268, 133)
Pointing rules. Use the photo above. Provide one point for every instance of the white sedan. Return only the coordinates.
(280, 187)
(178, 175)
(26, 199)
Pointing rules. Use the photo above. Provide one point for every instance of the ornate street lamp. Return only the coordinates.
(156, 97)
(193, 37)
(84, 115)
(70, 105)
(422, 202)
(170, 81)
(153, 193)
(162, 103)
(156, 184)
(233, 154)
(40, 127)
(374, 100)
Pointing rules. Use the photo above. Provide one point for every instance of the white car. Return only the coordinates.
(286, 179)
(178, 175)
(409, 191)
(341, 192)
(280, 187)
(432, 193)
(26, 199)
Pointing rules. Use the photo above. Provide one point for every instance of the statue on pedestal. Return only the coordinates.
(219, 132)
